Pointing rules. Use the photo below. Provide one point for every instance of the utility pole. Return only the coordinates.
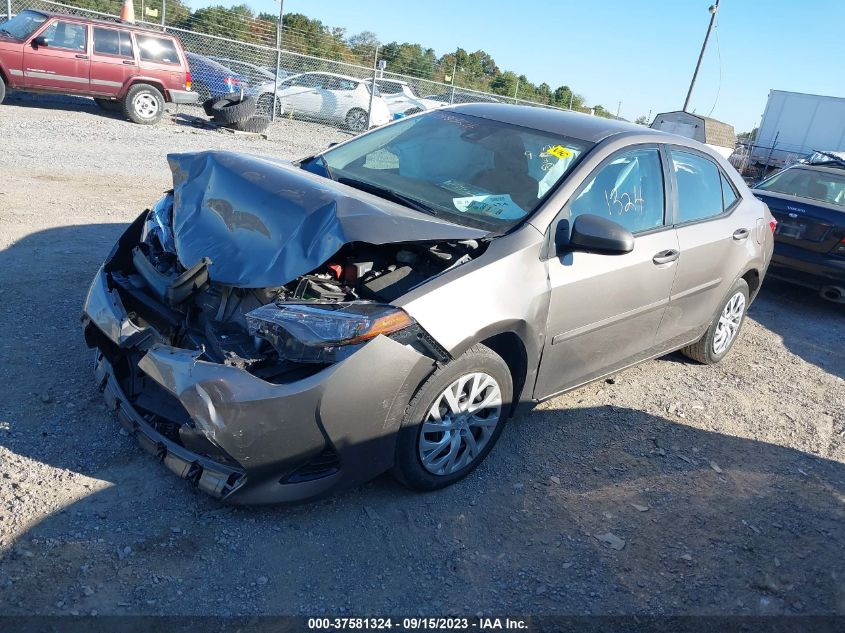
(618, 109)
(163, 9)
(516, 90)
(274, 107)
(713, 9)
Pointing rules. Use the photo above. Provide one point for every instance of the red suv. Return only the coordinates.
(122, 66)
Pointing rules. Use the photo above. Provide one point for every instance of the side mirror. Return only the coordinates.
(331, 145)
(596, 234)
(40, 41)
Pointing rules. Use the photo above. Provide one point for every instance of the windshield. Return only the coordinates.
(825, 186)
(23, 24)
(468, 170)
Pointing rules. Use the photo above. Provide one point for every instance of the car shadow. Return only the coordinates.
(810, 326)
(584, 510)
(67, 103)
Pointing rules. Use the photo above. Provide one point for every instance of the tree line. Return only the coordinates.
(473, 70)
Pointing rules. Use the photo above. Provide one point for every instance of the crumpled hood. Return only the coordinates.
(263, 222)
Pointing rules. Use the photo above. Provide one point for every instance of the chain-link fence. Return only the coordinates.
(281, 70)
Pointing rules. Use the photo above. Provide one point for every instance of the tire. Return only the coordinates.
(143, 104)
(418, 458)
(2, 90)
(108, 105)
(356, 120)
(232, 109)
(256, 123)
(413, 111)
(712, 347)
(265, 105)
(206, 106)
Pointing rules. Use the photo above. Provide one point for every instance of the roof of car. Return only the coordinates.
(574, 124)
(112, 23)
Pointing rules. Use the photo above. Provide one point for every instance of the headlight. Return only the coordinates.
(323, 332)
(159, 225)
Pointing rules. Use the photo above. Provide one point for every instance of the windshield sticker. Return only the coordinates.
(499, 206)
(558, 151)
(462, 188)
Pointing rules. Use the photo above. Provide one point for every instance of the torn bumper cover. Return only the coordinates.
(238, 437)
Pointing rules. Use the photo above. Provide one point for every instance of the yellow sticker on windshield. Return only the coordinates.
(559, 151)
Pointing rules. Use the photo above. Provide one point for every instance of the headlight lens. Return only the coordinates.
(323, 332)
(159, 224)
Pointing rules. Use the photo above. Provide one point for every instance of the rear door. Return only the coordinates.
(716, 239)
(605, 310)
(112, 60)
(63, 65)
(299, 94)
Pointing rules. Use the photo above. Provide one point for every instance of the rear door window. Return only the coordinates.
(700, 194)
(112, 42)
(67, 35)
(157, 49)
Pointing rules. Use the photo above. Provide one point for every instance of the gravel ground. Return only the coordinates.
(722, 487)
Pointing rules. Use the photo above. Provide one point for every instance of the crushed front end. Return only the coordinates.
(261, 394)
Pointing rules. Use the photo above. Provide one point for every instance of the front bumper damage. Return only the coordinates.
(242, 439)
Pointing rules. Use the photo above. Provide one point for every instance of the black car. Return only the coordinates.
(808, 201)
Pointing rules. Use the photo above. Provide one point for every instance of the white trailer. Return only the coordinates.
(795, 124)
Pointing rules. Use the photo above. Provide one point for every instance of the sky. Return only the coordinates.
(640, 53)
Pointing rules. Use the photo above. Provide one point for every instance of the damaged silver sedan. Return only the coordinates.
(274, 331)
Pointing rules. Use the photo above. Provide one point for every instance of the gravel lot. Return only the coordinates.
(726, 483)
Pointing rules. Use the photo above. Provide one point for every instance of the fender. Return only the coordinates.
(143, 79)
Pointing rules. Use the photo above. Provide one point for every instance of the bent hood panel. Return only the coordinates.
(264, 222)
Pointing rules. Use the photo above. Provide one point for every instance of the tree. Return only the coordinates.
(363, 45)
(642, 120)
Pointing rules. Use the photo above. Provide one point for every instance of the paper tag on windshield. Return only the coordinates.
(498, 206)
(559, 151)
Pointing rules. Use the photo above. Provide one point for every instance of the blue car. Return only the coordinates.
(211, 78)
(808, 202)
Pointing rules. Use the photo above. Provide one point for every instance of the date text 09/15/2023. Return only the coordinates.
(417, 624)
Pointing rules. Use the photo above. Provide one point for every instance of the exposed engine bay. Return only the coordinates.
(287, 332)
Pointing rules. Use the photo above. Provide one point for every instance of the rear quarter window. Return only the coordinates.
(157, 49)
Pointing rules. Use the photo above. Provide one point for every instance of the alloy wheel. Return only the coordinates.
(357, 120)
(729, 322)
(460, 423)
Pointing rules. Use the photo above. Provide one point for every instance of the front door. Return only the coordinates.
(63, 64)
(112, 60)
(605, 310)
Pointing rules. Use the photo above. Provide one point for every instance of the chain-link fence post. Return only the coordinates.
(163, 11)
(8, 9)
(373, 88)
(274, 107)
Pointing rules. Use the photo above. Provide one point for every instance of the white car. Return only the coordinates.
(327, 98)
(402, 97)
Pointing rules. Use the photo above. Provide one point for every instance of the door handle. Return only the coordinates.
(741, 234)
(128, 62)
(81, 56)
(665, 257)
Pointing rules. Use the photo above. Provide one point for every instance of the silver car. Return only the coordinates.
(272, 331)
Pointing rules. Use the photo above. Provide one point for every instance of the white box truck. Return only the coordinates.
(796, 124)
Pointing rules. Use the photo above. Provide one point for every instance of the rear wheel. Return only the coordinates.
(357, 119)
(454, 420)
(722, 333)
(143, 104)
(2, 90)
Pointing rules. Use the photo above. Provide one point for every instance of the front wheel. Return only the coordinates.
(454, 420)
(723, 332)
(357, 120)
(143, 104)
(2, 90)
